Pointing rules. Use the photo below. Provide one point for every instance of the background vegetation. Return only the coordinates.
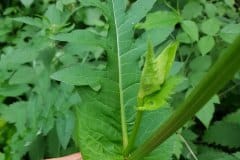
(37, 113)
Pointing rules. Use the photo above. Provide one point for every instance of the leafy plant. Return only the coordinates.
(118, 78)
(123, 75)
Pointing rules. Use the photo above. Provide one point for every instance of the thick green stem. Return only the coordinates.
(134, 132)
(221, 72)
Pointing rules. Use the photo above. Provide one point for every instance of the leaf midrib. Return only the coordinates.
(123, 120)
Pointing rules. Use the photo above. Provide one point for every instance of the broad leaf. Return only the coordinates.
(109, 93)
(223, 133)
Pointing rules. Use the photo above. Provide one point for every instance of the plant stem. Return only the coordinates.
(219, 74)
(134, 132)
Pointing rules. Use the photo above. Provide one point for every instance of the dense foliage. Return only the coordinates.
(62, 62)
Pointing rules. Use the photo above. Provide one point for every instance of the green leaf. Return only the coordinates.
(210, 26)
(215, 155)
(15, 113)
(201, 63)
(210, 9)
(233, 117)
(205, 115)
(230, 2)
(224, 134)
(195, 77)
(18, 77)
(55, 16)
(37, 148)
(159, 98)
(80, 74)
(230, 32)
(183, 38)
(2, 156)
(101, 130)
(156, 70)
(191, 28)
(30, 21)
(13, 90)
(65, 126)
(159, 19)
(82, 37)
(192, 9)
(27, 3)
(93, 17)
(206, 44)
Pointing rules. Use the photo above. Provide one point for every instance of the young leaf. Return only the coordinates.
(155, 70)
(159, 99)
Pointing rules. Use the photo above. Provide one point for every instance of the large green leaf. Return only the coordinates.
(109, 93)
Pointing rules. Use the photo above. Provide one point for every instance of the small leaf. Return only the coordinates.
(192, 9)
(201, 63)
(27, 3)
(210, 9)
(205, 115)
(210, 26)
(191, 28)
(156, 70)
(55, 16)
(230, 32)
(65, 125)
(206, 44)
(159, 19)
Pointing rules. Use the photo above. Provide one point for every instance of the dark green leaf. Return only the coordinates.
(224, 134)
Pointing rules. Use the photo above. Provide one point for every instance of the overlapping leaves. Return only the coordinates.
(102, 129)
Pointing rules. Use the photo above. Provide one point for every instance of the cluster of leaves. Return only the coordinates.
(37, 119)
(98, 49)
